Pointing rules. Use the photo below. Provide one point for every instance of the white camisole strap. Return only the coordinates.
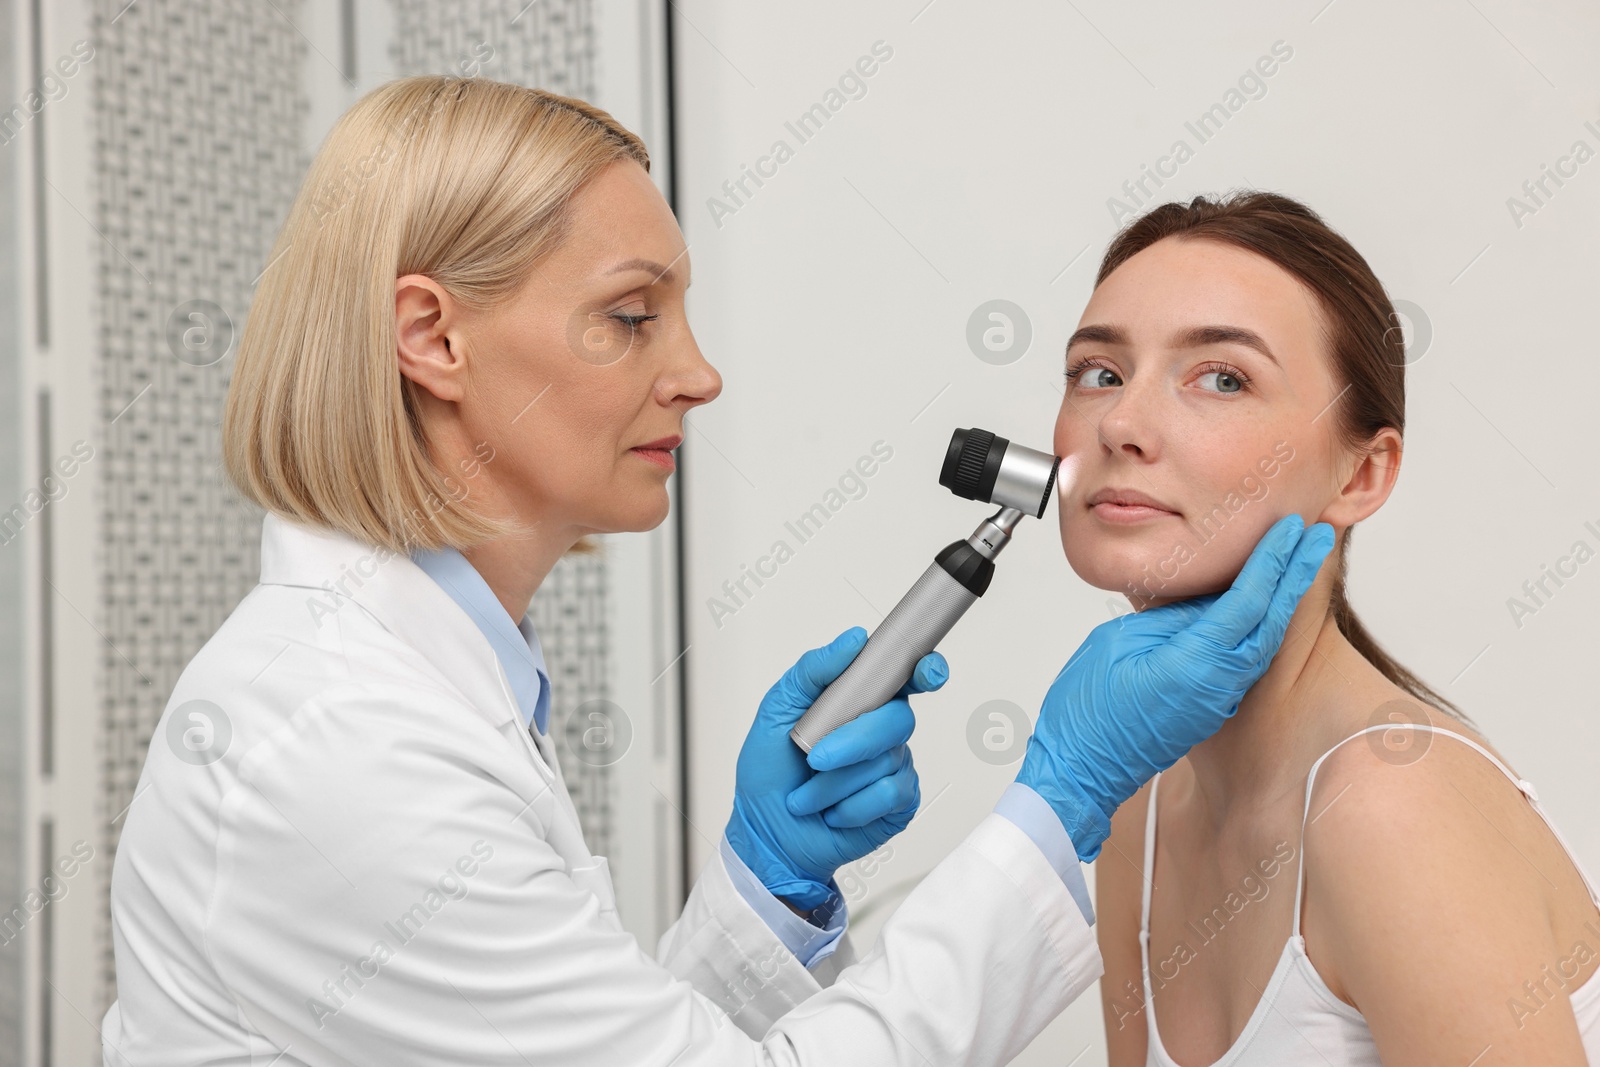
(1525, 786)
(1149, 852)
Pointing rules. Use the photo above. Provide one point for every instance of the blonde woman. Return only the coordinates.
(1347, 873)
(468, 351)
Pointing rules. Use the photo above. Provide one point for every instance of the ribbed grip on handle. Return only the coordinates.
(912, 630)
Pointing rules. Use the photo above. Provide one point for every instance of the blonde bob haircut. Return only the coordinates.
(464, 180)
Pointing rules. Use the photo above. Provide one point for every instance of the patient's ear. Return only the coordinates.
(1369, 482)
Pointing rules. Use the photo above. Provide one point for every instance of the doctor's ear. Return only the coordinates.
(425, 317)
(1369, 479)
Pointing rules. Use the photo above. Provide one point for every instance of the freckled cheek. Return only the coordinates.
(1074, 433)
(1058, 434)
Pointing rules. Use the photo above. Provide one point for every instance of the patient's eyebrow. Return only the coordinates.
(1104, 333)
(1193, 337)
(1196, 336)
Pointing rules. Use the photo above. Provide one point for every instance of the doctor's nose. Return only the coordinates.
(690, 381)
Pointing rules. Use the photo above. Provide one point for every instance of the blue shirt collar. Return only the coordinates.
(515, 645)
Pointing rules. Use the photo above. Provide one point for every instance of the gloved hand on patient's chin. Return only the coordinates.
(797, 818)
(1146, 687)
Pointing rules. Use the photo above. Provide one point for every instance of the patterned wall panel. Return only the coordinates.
(199, 109)
(549, 44)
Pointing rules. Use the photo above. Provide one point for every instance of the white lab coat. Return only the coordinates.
(383, 868)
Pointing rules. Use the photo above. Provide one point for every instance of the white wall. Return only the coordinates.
(978, 166)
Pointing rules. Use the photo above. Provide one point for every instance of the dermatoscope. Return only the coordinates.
(980, 466)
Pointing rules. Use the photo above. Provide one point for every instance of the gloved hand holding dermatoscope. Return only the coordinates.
(977, 466)
(1137, 694)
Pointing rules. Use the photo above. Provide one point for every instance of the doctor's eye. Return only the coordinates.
(633, 322)
(1093, 374)
(601, 338)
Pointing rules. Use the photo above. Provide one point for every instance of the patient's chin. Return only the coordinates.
(1144, 576)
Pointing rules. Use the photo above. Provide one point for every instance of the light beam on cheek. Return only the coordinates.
(1067, 475)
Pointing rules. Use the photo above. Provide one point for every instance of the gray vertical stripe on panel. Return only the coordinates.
(47, 603)
(41, 244)
(47, 925)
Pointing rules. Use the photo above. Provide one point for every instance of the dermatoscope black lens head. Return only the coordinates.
(982, 466)
(972, 463)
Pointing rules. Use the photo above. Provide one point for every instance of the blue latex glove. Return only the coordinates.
(1146, 687)
(797, 818)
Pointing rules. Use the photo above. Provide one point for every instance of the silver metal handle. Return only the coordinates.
(917, 624)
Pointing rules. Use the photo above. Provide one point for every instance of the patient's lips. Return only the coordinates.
(1125, 506)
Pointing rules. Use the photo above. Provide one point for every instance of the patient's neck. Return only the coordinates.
(1287, 718)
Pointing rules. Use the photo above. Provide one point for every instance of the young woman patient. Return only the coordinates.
(1347, 872)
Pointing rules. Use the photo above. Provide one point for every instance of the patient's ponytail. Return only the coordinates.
(1364, 643)
(1366, 345)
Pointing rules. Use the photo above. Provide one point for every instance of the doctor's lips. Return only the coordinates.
(1127, 506)
(659, 452)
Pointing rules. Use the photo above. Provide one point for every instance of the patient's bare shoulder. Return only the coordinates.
(1412, 804)
(1419, 850)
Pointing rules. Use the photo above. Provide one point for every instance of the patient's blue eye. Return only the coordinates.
(1092, 375)
(1229, 379)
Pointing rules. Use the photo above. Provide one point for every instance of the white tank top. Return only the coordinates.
(1298, 1019)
